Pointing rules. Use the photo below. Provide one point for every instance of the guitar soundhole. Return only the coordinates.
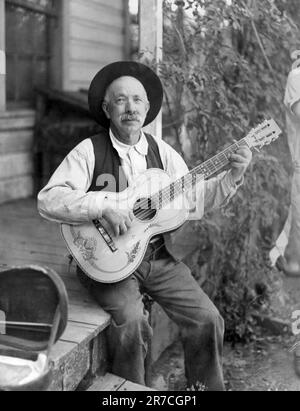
(144, 209)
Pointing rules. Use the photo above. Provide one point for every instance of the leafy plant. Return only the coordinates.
(224, 71)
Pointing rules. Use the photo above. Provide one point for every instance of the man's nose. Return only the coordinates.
(129, 105)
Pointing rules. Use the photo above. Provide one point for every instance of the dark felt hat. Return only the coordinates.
(111, 72)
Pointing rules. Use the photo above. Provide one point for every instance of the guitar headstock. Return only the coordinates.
(264, 134)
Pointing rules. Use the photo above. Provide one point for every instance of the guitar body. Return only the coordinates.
(115, 259)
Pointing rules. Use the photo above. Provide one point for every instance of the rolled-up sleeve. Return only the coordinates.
(65, 198)
(219, 191)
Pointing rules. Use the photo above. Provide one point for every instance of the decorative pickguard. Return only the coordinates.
(86, 245)
(87, 248)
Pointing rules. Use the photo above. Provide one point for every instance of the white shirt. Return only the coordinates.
(65, 198)
(292, 96)
(133, 158)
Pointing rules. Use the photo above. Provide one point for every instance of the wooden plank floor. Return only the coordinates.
(111, 382)
(26, 238)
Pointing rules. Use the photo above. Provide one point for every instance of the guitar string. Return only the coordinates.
(194, 173)
(211, 165)
(208, 165)
(191, 177)
(189, 180)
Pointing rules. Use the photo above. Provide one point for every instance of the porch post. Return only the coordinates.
(66, 58)
(151, 43)
(2, 57)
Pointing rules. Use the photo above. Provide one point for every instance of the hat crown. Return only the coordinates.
(108, 74)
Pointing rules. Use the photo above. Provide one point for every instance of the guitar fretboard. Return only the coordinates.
(201, 172)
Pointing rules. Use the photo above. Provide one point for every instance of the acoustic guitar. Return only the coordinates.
(159, 205)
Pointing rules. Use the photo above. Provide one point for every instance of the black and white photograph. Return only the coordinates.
(149, 198)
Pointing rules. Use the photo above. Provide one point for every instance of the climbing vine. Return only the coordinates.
(224, 71)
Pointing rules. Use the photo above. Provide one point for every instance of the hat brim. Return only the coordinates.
(111, 72)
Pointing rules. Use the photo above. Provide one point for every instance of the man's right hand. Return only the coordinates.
(119, 220)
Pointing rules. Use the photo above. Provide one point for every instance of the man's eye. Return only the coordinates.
(120, 100)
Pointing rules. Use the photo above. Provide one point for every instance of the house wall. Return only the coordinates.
(94, 34)
(90, 34)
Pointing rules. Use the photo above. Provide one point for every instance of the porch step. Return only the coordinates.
(81, 352)
(15, 165)
(16, 159)
(111, 382)
(16, 188)
(17, 120)
(16, 141)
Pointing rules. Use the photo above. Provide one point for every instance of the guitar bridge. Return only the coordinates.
(105, 235)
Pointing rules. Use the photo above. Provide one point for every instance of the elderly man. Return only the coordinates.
(124, 97)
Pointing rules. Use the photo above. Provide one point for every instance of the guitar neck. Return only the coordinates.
(218, 162)
(201, 172)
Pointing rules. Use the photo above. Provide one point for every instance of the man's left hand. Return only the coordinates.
(240, 161)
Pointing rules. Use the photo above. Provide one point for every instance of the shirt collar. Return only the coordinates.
(141, 146)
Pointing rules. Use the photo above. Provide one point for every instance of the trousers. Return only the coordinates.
(171, 285)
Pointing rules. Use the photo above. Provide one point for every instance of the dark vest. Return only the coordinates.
(107, 162)
(180, 242)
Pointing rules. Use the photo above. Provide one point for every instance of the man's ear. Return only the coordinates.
(105, 108)
(147, 106)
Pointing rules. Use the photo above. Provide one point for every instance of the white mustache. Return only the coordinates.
(129, 117)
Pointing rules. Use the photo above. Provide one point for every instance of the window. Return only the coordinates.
(28, 47)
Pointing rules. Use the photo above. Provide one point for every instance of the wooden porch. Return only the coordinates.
(26, 238)
(80, 356)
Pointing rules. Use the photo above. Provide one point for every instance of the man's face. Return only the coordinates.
(126, 105)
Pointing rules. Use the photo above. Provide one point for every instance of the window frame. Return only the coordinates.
(52, 13)
(53, 56)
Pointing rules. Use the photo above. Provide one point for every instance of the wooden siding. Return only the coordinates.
(94, 35)
(16, 161)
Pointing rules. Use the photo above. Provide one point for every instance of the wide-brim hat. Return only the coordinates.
(111, 72)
